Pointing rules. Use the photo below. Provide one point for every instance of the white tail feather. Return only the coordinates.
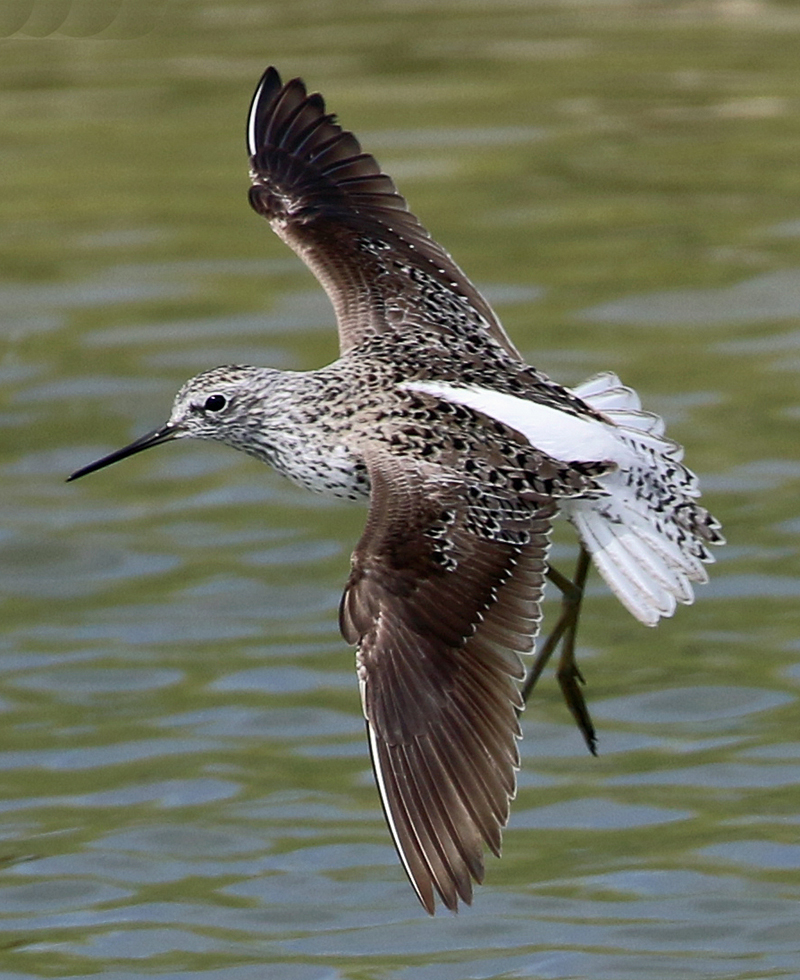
(646, 533)
(647, 537)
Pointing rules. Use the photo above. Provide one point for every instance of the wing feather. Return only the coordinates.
(332, 204)
(438, 655)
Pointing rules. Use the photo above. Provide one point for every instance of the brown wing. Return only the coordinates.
(330, 203)
(440, 616)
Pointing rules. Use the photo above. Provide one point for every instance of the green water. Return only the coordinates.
(185, 783)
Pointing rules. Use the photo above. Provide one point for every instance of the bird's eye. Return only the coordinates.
(215, 402)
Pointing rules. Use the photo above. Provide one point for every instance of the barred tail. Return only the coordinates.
(648, 537)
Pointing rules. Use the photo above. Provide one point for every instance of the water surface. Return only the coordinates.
(185, 783)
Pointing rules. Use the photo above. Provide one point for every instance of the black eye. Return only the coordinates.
(215, 402)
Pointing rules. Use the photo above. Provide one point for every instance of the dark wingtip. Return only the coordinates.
(269, 85)
(270, 91)
(304, 164)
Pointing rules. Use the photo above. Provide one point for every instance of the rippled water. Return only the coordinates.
(185, 782)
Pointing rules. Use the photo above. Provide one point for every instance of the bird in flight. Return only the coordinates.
(467, 455)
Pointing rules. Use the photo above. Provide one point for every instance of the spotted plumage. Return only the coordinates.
(466, 455)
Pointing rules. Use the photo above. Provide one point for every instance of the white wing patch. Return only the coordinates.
(561, 435)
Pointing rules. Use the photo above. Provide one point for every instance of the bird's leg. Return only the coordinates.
(570, 599)
(572, 593)
(567, 672)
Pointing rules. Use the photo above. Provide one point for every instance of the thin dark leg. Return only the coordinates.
(567, 672)
(571, 599)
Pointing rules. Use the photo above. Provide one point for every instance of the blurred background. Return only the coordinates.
(184, 781)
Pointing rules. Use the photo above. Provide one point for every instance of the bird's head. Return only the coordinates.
(225, 404)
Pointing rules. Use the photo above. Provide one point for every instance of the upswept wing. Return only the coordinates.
(440, 617)
(344, 217)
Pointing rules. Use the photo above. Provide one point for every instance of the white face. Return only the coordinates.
(199, 408)
(233, 404)
(216, 403)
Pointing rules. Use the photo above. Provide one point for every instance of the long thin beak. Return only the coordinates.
(165, 434)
